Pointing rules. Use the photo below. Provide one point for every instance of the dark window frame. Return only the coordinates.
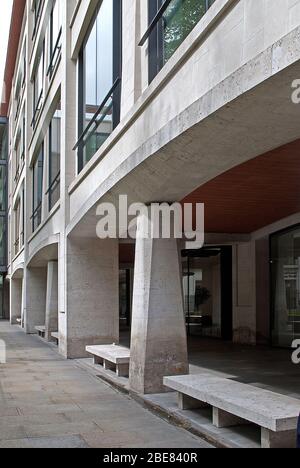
(115, 91)
(154, 34)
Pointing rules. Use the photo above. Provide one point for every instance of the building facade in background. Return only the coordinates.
(4, 286)
(169, 101)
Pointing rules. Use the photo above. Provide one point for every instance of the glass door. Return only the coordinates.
(285, 287)
(202, 293)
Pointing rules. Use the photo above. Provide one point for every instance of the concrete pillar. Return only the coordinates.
(158, 339)
(36, 286)
(52, 300)
(92, 287)
(15, 299)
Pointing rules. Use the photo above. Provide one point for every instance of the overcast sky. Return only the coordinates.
(5, 16)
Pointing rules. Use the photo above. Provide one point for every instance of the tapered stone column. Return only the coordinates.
(92, 294)
(158, 339)
(52, 300)
(36, 286)
(15, 299)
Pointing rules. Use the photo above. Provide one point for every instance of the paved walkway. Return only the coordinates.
(46, 401)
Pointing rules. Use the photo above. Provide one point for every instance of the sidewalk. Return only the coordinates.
(47, 402)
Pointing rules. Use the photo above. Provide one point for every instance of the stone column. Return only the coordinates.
(36, 286)
(158, 337)
(52, 299)
(15, 300)
(92, 290)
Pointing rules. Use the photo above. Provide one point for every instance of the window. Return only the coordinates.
(2, 188)
(99, 80)
(20, 82)
(17, 226)
(2, 241)
(38, 172)
(38, 84)
(55, 37)
(53, 191)
(37, 10)
(171, 21)
(20, 151)
(3, 142)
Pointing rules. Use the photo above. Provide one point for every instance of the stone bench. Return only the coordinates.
(41, 331)
(55, 336)
(235, 404)
(112, 357)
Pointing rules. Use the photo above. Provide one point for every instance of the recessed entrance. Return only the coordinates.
(207, 290)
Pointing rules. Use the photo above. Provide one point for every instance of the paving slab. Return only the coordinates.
(48, 402)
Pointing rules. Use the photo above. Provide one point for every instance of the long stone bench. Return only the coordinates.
(41, 330)
(112, 357)
(55, 336)
(235, 404)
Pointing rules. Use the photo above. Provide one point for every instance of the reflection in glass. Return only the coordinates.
(202, 294)
(2, 241)
(54, 158)
(55, 35)
(178, 21)
(100, 68)
(98, 65)
(285, 254)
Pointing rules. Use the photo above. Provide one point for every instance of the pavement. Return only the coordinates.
(49, 402)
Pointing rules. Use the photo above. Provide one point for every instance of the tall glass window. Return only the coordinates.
(38, 85)
(55, 37)
(54, 158)
(37, 10)
(2, 241)
(38, 171)
(99, 80)
(20, 82)
(285, 287)
(20, 151)
(17, 227)
(178, 19)
(2, 188)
